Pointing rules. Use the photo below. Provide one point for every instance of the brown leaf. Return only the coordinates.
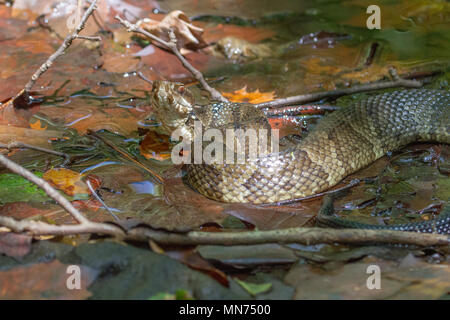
(15, 245)
(155, 146)
(35, 137)
(83, 117)
(188, 35)
(43, 281)
(195, 261)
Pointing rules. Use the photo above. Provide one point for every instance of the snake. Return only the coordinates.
(342, 143)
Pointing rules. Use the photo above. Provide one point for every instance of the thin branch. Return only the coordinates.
(66, 44)
(305, 98)
(49, 190)
(141, 75)
(307, 236)
(172, 46)
(96, 38)
(41, 228)
(20, 145)
(96, 196)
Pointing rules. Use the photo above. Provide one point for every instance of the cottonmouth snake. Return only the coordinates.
(342, 143)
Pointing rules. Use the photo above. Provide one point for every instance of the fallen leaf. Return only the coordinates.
(15, 245)
(188, 35)
(248, 255)
(70, 182)
(254, 97)
(155, 146)
(15, 188)
(43, 281)
(24, 210)
(195, 261)
(37, 125)
(346, 282)
(254, 288)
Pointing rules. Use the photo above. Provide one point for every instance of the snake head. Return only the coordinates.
(172, 103)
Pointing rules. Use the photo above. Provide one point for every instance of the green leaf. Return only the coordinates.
(14, 188)
(254, 288)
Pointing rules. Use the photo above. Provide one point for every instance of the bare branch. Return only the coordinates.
(304, 98)
(41, 228)
(89, 38)
(172, 46)
(66, 44)
(141, 75)
(20, 145)
(307, 236)
(96, 196)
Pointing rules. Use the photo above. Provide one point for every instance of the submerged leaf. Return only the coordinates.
(15, 188)
(254, 97)
(70, 182)
(37, 125)
(155, 146)
(254, 288)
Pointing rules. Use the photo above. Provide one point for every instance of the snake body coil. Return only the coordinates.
(342, 143)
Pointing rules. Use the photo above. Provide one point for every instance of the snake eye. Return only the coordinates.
(181, 89)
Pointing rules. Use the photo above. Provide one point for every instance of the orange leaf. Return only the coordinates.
(252, 97)
(37, 125)
(67, 181)
(155, 146)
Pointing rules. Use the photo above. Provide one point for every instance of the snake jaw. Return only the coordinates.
(172, 104)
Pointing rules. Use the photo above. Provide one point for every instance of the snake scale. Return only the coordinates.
(342, 143)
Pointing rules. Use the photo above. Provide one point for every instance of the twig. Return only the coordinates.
(141, 75)
(172, 46)
(304, 98)
(41, 228)
(307, 236)
(49, 190)
(96, 196)
(20, 145)
(66, 44)
(96, 38)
